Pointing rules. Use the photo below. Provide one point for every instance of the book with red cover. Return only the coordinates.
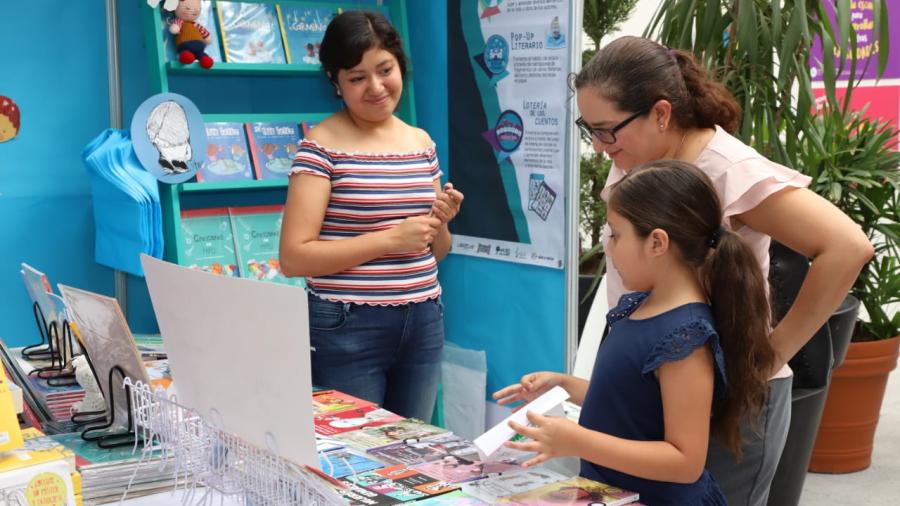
(331, 401)
(328, 424)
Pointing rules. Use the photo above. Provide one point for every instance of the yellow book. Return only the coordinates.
(10, 434)
(45, 484)
(36, 449)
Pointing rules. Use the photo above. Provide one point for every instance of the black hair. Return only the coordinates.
(350, 34)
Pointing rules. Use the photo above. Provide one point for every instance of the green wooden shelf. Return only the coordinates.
(217, 186)
(245, 69)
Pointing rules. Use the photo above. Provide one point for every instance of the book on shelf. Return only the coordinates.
(329, 424)
(257, 230)
(384, 435)
(273, 145)
(492, 489)
(227, 154)
(345, 462)
(331, 401)
(573, 491)
(390, 485)
(250, 32)
(207, 19)
(302, 30)
(208, 241)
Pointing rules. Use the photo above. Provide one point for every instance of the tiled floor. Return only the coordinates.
(879, 485)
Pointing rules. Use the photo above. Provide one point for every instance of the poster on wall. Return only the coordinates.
(868, 47)
(10, 119)
(509, 61)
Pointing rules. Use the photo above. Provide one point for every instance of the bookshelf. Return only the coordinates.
(198, 195)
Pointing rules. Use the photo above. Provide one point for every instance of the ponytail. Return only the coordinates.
(709, 101)
(736, 287)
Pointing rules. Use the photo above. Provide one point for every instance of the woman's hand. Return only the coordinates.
(551, 437)
(529, 388)
(414, 233)
(447, 204)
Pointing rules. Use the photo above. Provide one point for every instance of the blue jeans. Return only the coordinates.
(390, 355)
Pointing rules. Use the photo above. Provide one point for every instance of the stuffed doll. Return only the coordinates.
(191, 38)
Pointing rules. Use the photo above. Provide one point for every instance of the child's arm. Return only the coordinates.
(687, 389)
(532, 385)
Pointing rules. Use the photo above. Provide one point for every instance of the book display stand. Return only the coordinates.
(107, 434)
(208, 457)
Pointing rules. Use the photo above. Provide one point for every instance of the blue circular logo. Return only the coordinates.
(509, 130)
(169, 137)
(496, 54)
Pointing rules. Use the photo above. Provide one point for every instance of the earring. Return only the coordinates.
(661, 127)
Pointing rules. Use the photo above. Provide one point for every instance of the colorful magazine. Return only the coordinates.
(302, 29)
(227, 156)
(376, 437)
(573, 491)
(492, 489)
(207, 18)
(332, 401)
(455, 498)
(399, 483)
(256, 236)
(208, 242)
(353, 419)
(273, 145)
(418, 452)
(250, 32)
(345, 462)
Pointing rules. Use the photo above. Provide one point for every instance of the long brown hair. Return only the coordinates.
(634, 73)
(677, 197)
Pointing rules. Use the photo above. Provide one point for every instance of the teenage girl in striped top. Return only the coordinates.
(366, 223)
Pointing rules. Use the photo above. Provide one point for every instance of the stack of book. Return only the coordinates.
(43, 402)
(41, 472)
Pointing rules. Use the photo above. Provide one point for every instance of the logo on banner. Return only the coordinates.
(506, 135)
(489, 8)
(494, 59)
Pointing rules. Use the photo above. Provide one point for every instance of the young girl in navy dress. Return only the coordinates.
(687, 354)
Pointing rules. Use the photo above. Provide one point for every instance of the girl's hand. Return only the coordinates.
(529, 388)
(551, 436)
(447, 204)
(414, 233)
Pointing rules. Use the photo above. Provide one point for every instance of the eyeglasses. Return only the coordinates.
(605, 135)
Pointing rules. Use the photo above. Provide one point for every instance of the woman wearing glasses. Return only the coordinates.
(640, 101)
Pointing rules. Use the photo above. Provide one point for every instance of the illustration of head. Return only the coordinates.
(9, 119)
(167, 130)
(555, 29)
(212, 151)
(237, 151)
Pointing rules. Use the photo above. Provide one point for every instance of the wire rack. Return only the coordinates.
(208, 458)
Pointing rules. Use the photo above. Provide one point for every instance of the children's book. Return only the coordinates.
(257, 231)
(573, 491)
(376, 437)
(345, 462)
(353, 419)
(159, 373)
(455, 498)
(302, 28)
(326, 444)
(492, 489)
(36, 449)
(273, 145)
(207, 18)
(227, 156)
(398, 483)
(208, 241)
(250, 32)
(331, 401)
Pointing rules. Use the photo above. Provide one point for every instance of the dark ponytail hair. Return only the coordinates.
(634, 73)
(350, 34)
(685, 205)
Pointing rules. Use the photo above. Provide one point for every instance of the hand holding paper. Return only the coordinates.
(494, 438)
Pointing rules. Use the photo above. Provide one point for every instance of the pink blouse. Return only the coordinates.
(743, 179)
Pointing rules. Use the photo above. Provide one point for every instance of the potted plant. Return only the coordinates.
(855, 164)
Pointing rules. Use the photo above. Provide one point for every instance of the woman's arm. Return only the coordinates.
(301, 253)
(812, 226)
(686, 387)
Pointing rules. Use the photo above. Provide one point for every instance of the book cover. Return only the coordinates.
(36, 449)
(388, 434)
(455, 498)
(10, 433)
(345, 462)
(207, 18)
(39, 483)
(159, 373)
(208, 241)
(227, 155)
(302, 28)
(399, 483)
(257, 231)
(331, 401)
(492, 489)
(417, 452)
(273, 146)
(573, 491)
(250, 32)
(328, 424)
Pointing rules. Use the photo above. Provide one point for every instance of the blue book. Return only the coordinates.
(344, 462)
(302, 28)
(273, 146)
(227, 155)
(250, 32)
(207, 18)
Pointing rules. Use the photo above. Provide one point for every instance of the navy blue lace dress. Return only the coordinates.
(624, 398)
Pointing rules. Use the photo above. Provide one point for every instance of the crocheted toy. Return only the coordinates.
(191, 38)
